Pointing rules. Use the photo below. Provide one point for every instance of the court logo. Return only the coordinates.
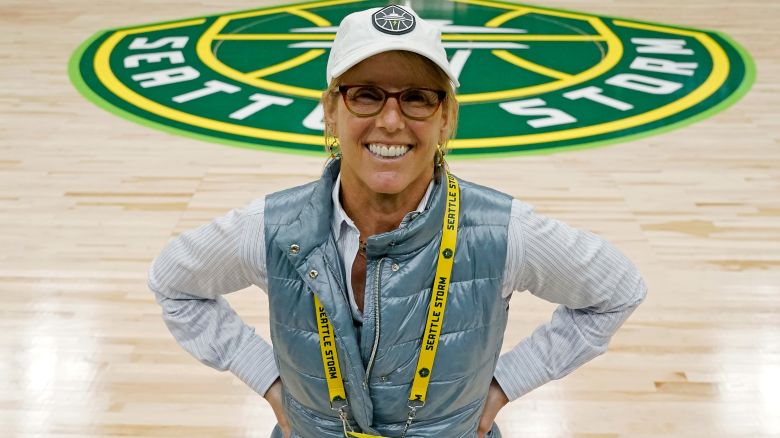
(393, 20)
(532, 79)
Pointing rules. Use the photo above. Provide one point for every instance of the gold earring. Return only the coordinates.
(438, 159)
(332, 144)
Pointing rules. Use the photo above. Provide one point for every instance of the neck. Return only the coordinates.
(376, 213)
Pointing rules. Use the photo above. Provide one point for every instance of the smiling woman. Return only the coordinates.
(389, 279)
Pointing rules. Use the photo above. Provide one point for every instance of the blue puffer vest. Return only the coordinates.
(302, 258)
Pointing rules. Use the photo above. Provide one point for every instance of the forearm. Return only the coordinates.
(595, 284)
(555, 349)
(211, 331)
(189, 278)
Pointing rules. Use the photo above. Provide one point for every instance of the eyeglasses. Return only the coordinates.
(368, 100)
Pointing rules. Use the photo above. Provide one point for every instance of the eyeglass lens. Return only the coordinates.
(414, 102)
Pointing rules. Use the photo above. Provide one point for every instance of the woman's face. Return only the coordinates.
(360, 167)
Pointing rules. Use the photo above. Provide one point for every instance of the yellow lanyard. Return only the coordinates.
(439, 291)
(330, 359)
(430, 340)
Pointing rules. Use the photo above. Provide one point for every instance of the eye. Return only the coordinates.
(366, 94)
(419, 97)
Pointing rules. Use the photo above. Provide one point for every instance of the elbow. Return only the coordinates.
(628, 295)
(639, 293)
(165, 283)
(153, 278)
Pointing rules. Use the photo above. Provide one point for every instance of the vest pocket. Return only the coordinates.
(309, 423)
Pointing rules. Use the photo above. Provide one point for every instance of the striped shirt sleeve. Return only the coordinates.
(189, 278)
(596, 286)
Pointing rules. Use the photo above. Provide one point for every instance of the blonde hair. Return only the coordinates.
(422, 67)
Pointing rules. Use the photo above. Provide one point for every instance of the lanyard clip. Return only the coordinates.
(414, 405)
(340, 405)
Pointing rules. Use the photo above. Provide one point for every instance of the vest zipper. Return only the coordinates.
(376, 322)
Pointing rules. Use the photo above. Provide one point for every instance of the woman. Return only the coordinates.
(389, 279)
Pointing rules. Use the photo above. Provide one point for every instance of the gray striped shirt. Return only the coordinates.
(596, 286)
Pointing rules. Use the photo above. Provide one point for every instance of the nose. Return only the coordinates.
(390, 118)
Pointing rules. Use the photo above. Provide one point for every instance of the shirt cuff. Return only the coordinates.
(518, 372)
(255, 365)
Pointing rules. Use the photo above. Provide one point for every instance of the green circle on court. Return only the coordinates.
(533, 79)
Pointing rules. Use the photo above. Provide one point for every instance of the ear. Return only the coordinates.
(448, 118)
(329, 109)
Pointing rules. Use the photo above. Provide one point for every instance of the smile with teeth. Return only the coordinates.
(388, 150)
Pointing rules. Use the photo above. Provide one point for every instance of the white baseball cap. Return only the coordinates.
(367, 33)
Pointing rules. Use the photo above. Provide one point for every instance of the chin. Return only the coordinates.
(387, 185)
(394, 182)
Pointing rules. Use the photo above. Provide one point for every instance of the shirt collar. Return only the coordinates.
(340, 217)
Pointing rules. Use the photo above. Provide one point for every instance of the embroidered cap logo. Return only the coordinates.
(393, 20)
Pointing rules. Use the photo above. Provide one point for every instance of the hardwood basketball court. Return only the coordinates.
(88, 199)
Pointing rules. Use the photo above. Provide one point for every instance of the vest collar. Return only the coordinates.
(312, 227)
(341, 220)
